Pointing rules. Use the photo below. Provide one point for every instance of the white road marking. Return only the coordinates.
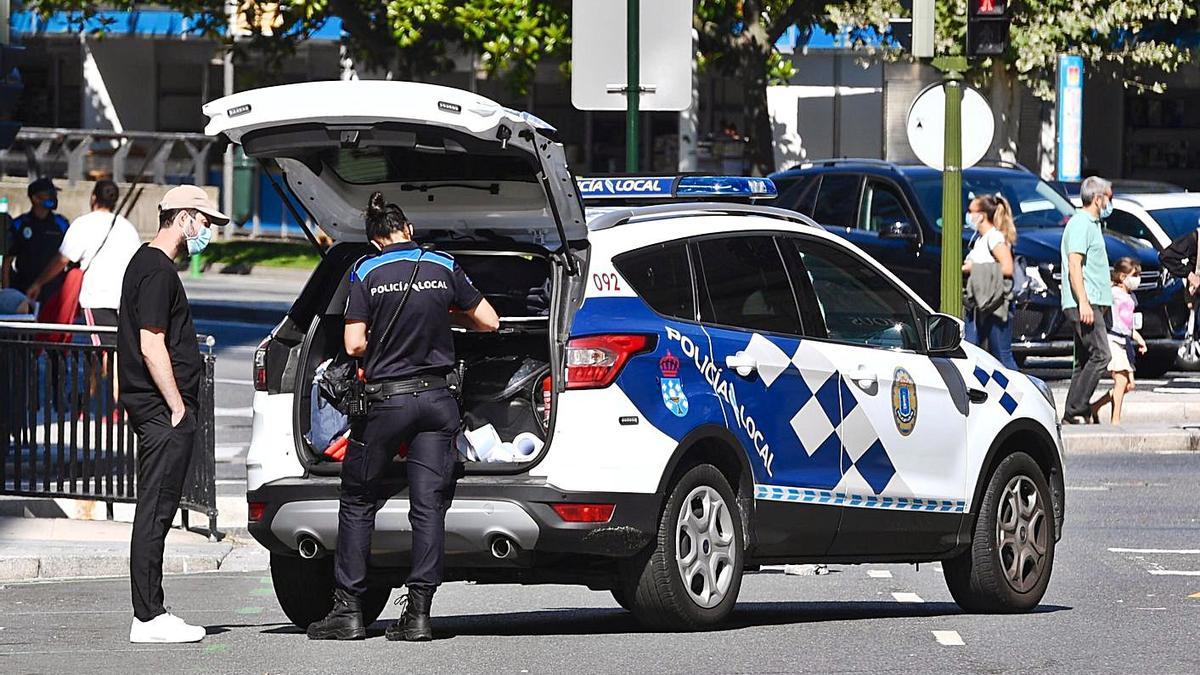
(1175, 573)
(228, 451)
(907, 597)
(234, 412)
(1089, 488)
(1184, 551)
(879, 574)
(1175, 390)
(949, 638)
(233, 380)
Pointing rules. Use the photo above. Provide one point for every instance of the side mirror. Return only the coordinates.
(943, 333)
(901, 229)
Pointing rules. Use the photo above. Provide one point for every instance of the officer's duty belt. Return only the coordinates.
(378, 391)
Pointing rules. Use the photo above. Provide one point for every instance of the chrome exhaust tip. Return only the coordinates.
(310, 548)
(503, 548)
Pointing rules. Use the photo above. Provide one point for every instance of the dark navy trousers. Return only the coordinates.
(427, 423)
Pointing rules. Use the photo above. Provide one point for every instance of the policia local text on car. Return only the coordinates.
(398, 317)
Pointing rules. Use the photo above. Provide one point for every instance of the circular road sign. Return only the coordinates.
(927, 126)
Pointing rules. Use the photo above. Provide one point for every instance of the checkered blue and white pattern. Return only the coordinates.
(996, 384)
(829, 418)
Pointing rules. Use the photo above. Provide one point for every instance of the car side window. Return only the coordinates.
(1130, 225)
(798, 194)
(882, 206)
(744, 284)
(662, 276)
(857, 303)
(837, 200)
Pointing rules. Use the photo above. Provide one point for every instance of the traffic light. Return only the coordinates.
(987, 27)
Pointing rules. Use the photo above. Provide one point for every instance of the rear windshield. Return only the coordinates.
(1177, 222)
(1034, 202)
(365, 166)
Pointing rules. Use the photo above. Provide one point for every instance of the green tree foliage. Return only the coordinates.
(1139, 34)
(409, 38)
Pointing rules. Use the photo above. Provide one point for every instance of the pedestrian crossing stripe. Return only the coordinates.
(779, 493)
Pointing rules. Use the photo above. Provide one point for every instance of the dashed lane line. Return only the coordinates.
(1175, 573)
(907, 597)
(1182, 551)
(948, 638)
(234, 412)
(879, 574)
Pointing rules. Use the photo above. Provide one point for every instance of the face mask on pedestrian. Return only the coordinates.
(197, 241)
(1132, 282)
(973, 220)
(1107, 209)
(50, 203)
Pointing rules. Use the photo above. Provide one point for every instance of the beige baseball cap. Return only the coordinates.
(192, 197)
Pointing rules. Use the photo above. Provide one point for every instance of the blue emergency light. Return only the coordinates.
(675, 187)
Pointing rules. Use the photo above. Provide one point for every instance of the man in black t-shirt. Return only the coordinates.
(160, 368)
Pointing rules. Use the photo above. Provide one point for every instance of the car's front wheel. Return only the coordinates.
(690, 578)
(304, 589)
(1007, 568)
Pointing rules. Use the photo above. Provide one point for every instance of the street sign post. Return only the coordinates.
(656, 71)
(1069, 121)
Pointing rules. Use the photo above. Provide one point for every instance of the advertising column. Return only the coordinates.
(1069, 118)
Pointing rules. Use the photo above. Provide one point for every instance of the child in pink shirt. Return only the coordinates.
(1124, 342)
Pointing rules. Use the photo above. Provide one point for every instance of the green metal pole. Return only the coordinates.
(952, 208)
(633, 86)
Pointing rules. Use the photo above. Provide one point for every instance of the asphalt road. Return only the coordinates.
(1125, 597)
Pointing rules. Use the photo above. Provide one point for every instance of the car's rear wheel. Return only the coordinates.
(1007, 568)
(690, 578)
(304, 589)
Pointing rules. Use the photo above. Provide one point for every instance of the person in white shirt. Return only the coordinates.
(101, 243)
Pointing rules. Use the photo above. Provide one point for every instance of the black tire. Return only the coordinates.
(653, 582)
(979, 578)
(1156, 363)
(304, 589)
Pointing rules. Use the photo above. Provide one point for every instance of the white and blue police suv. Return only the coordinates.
(711, 386)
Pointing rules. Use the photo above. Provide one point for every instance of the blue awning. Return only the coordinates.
(816, 37)
(142, 23)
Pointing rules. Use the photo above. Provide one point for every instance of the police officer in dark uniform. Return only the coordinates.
(406, 362)
(34, 240)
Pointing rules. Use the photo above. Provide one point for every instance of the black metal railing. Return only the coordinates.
(63, 433)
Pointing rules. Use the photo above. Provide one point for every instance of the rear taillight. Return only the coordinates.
(547, 396)
(255, 511)
(584, 513)
(260, 365)
(594, 361)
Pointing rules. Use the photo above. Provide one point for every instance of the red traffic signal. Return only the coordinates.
(987, 27)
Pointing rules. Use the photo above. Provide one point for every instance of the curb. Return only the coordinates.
(1109, 440)
(54, 561)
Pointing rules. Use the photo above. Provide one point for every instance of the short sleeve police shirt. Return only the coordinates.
(420, 341)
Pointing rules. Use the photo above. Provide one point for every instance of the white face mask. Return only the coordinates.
(1132, 282)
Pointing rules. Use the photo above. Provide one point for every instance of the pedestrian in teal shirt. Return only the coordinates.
(1087, 295)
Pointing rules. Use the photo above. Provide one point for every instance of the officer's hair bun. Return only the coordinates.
(376, 205)
(382, 218)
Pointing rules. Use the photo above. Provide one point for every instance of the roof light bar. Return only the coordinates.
(675, 187)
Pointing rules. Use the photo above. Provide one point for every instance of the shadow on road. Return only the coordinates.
(746, 615)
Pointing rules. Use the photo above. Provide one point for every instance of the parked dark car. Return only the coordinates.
(893, 212)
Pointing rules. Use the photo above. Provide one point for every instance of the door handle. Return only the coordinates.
(977, 395)
(742, 364)
(866, 379)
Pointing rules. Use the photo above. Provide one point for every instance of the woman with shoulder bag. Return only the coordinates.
(989, 266)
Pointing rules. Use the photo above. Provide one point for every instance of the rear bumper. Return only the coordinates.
(482, 511)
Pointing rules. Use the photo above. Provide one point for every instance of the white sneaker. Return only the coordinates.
(165, 628)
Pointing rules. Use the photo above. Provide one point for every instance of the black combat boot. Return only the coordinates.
(344, 621)
(414, 625)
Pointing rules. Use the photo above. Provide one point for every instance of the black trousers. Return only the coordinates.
(1091, 358)
(427, 422)
(162, 463)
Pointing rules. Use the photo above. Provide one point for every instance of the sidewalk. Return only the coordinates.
(36, 549)
(1159, 416)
